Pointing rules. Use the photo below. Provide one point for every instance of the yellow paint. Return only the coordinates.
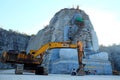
(51, 45)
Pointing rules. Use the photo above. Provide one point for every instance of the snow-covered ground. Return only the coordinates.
(9, 75)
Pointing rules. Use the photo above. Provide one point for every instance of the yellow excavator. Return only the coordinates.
(33, 60)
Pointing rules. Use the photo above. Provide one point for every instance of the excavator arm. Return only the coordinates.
(51, 45)
(80, 70)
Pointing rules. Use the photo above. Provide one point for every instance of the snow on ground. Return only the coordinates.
(9, 75)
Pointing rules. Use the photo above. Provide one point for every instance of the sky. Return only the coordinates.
(30, 16)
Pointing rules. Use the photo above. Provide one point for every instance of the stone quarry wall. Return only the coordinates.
(114, 55)
(58, 30)
(11, 40)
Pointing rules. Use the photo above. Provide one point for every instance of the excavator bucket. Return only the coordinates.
(80, 71)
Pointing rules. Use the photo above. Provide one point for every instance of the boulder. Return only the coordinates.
(100, 56)
(68, 54)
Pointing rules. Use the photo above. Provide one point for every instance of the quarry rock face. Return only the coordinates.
(60, 28)
(70, 25)
(11, 40)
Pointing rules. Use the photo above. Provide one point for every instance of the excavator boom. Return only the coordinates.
(51, 45)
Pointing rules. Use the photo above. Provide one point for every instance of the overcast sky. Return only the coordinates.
(30, 16)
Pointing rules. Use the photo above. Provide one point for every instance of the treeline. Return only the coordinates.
(114, 55)
(15, 31)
